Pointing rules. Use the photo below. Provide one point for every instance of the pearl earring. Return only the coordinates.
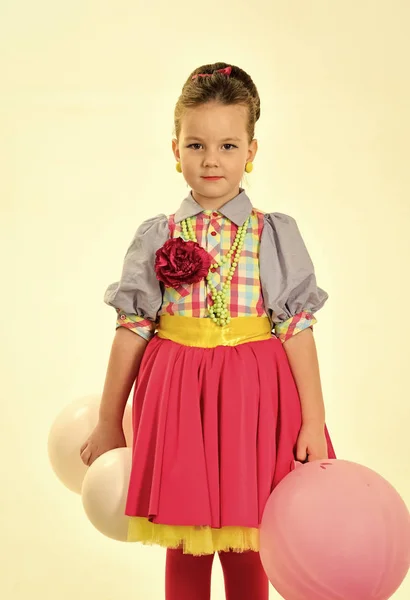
(178, 167)
(249, 167)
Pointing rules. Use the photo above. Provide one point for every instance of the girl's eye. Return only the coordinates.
(195, 148)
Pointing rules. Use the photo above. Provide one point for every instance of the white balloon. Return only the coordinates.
(104, 493)
(68, 433)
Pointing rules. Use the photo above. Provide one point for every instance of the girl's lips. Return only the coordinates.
(212, 178)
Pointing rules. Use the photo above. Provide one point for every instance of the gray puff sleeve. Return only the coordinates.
(286, 270)
(139, 292)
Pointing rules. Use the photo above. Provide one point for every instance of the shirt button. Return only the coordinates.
(215, 214)
(213, 232)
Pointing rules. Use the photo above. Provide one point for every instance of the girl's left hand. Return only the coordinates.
(312, 443)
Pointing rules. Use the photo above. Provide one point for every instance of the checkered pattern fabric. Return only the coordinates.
(216, 233)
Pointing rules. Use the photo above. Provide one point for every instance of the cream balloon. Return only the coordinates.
(69, 431)
(104, 493)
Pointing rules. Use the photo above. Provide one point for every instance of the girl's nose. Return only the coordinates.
(210, 161)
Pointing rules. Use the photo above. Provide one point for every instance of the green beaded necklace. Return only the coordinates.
(218, 312)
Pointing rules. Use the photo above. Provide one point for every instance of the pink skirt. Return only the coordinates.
(215, 430)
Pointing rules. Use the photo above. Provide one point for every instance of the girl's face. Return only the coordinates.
(214, 142)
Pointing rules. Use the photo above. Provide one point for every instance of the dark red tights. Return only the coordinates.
(188, 577)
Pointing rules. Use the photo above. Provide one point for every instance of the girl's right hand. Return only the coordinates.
(105, 437)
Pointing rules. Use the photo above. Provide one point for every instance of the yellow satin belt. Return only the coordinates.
(204, 333)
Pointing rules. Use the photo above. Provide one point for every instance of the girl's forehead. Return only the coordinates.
(216, 118)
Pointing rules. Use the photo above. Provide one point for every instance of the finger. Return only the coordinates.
(86, 456)
(321, 455)
(301, 453)
(314, 457)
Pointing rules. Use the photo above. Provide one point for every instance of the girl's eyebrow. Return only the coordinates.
(231, 139)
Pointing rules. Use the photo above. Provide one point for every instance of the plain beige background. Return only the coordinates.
(87, 96)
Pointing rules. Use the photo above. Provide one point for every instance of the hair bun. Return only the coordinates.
(220, 82)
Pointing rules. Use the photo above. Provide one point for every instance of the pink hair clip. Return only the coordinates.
(226, 71)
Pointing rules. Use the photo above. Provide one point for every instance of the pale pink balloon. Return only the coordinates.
(104, 493)
(335, 530)
(69, 431)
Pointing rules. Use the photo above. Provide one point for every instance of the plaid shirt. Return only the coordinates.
(216, 233)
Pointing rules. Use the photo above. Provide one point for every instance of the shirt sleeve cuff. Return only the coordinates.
(142, 327)
(284, 331)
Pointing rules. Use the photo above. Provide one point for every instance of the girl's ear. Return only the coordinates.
(253, 148)
(175, 149)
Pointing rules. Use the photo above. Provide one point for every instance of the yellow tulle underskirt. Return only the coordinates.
(193, 540)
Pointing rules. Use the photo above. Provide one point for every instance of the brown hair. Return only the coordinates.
(237, 88)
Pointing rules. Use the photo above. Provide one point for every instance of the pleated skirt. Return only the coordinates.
(215, 425)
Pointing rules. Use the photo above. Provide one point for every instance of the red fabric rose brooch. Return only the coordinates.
(179, 262)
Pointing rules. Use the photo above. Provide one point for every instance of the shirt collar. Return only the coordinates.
(236, 210)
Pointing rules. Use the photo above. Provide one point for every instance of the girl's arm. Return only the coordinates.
(303, 360)
(125, 358)
(123, 366)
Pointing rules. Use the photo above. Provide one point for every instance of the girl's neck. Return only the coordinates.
(213, 203)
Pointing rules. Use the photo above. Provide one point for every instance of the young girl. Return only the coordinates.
(215, 310)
